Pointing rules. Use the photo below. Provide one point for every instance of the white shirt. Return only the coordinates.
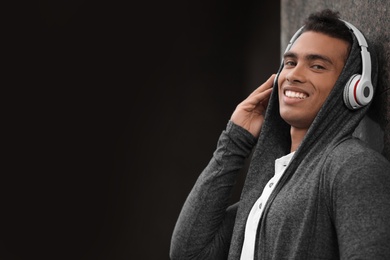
(248, 248)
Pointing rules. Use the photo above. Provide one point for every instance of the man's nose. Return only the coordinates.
(296, 74)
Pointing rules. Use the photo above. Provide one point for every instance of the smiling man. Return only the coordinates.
(312, 191)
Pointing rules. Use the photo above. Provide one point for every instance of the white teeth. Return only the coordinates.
(293, 94)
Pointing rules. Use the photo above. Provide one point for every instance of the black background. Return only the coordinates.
(117, 110)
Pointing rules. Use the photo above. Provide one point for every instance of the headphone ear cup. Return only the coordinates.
(350, 98)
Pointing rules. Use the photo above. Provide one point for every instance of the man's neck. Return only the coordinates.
(297, 135)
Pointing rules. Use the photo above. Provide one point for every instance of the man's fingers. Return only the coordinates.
(256, 98)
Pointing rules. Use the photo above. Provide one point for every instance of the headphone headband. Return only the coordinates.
(359, 36)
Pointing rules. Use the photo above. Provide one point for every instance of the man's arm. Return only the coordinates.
(205, 224)
(361, 206)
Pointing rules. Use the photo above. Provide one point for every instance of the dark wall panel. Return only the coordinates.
(117, 110)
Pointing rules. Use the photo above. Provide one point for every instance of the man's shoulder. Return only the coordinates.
(355, 153)
(352, 147)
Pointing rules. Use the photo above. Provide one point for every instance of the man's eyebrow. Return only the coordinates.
(290, 54)
(309, 57)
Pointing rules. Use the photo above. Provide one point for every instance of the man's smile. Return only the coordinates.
(295, 94)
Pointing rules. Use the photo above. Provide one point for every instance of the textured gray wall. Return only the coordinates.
(373, 19)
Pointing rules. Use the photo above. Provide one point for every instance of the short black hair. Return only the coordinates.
(328, 22)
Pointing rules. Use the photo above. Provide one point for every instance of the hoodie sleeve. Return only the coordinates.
(361, 204)
(205, 224)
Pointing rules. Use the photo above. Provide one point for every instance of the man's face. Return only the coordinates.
(311, 69)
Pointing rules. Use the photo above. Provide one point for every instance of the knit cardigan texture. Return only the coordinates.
(333, 201)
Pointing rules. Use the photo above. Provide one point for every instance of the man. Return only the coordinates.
(312, 190)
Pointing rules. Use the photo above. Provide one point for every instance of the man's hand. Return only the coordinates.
(249, 114)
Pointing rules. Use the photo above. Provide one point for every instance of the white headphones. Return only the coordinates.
(359, 91)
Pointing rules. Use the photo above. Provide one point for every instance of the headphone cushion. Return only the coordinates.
(349, 96)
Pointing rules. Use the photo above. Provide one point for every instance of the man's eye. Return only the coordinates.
(289, 63)
(318, 67)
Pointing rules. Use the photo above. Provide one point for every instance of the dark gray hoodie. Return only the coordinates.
(333, 201)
